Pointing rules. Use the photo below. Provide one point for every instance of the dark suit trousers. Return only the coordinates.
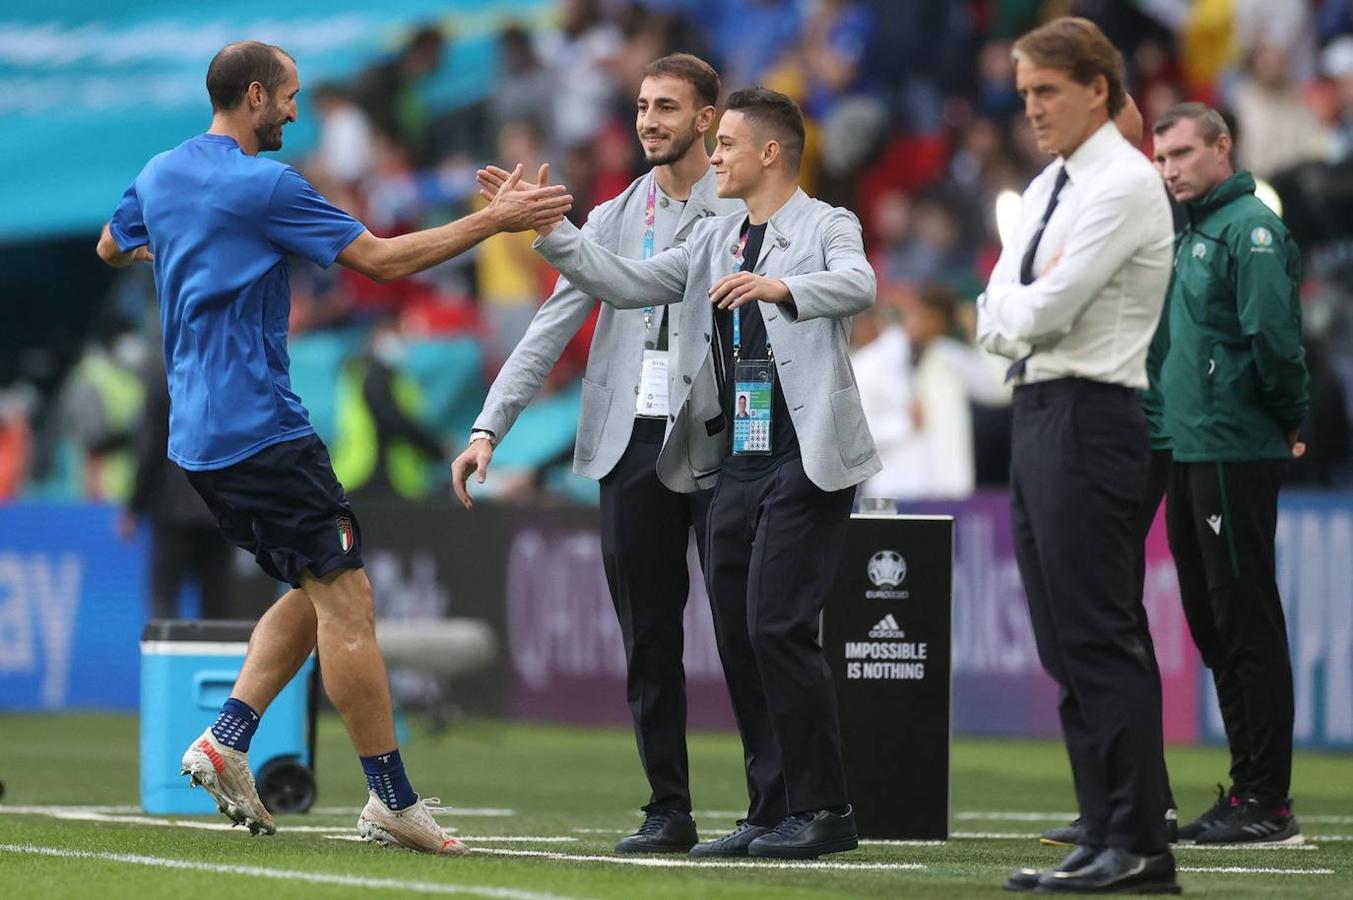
(645, 530)
(1222, 519)
(774, 546)
(1079, 472)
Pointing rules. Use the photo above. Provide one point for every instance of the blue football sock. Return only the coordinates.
(385, 775)
(236, 724)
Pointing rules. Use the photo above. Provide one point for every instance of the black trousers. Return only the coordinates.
(645, 530)
(188, 553)
(1222, 518)
(1080, 466)
(774, 546)
(1158, 481)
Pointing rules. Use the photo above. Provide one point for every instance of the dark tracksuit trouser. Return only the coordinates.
(1080, 466)
(1222, 519)
(645, 530)
(1157, 483)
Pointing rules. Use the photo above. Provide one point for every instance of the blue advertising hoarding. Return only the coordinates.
(72, 606)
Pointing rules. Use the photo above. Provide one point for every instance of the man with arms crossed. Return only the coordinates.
(218, 223)
(1235, 388)
(1073, 303)
(767, 299)
(645, 526)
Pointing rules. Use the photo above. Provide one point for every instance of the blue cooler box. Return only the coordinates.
(187, 671)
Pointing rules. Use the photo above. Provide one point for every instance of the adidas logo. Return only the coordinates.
(887, 628)
(1214, 522)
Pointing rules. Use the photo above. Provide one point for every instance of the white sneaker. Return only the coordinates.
(413, 827)
(226, 776)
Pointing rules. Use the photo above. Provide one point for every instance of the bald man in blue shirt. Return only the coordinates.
(218, 223)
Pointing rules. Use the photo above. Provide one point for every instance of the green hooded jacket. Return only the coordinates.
(1234, 381)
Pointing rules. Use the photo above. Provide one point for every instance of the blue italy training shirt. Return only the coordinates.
(221, 224)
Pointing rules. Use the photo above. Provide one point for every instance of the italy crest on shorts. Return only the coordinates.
(345, 535)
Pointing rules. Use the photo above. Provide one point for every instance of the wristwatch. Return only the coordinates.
(482, 433)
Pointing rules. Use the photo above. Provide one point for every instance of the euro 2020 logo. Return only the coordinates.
(887, 569)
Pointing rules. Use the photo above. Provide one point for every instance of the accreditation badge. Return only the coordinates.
(652, 400)
(753, 387)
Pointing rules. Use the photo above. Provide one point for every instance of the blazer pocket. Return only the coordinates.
(596, 406)
(852, 432)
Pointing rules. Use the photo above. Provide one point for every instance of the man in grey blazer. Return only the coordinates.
(645, 526)
(765, 300)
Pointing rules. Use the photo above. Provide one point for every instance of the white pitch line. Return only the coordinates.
(452, 811)
(488, 838)
(654, 863)
(1243, 870)
(233, 870)
(1008, 816)
(1026, 816)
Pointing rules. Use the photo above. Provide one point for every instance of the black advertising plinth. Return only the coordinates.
(886, 633)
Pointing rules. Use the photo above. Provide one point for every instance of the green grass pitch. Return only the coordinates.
(543, 807)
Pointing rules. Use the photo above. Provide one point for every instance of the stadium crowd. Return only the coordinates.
(914, 123)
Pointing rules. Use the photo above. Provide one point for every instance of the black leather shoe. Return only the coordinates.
(808, 836)
(732, 844)
(663, 831)
(1073, 834)
(1027, 879)
(1064, 835)
(1115, 871)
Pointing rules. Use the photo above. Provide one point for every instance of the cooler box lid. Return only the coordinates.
(221, 631)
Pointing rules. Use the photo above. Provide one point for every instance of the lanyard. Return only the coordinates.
(650, 214)
(737, 313)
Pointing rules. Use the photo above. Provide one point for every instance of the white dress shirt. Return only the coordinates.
(1092, 316)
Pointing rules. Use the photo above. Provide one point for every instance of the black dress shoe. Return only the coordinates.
(1064, 835)
(732, 844)
(808, 836)
(1073, 834)
(1027, 879)
(1115, 871)
(663, 831)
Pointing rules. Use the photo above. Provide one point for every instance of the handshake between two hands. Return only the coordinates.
(519, 205)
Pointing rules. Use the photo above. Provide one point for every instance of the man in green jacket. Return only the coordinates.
(1234, 384)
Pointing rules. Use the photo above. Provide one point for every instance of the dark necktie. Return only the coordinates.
(1026, 266)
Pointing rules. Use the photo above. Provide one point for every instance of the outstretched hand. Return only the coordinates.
(491, 179)
(517, 207)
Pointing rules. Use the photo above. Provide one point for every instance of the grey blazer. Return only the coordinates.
(817, 250)
(611, 382)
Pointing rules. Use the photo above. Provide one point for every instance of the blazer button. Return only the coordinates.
(686, 378)
(706, 338)
(672, 417)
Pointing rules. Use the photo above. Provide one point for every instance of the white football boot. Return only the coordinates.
(412, 827)
(226, 776)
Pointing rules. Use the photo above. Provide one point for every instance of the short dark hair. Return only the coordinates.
(1077, 47)
(773, 112)
(691, 69)
(238, 65)
(1210, 123)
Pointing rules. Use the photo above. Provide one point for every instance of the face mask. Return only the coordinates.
(390, 349)
(129, 351)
